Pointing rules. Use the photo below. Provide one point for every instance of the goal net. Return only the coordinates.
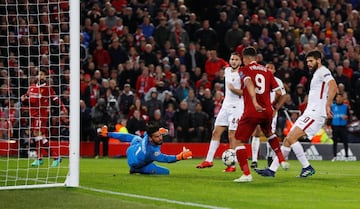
(39, 144)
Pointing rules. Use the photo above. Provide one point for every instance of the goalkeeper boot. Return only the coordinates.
(37, 162)
(244, 178)
(56, 162)
(306, 172)
(230, 169)
(254, 164)
(205, 164)
(265, 172)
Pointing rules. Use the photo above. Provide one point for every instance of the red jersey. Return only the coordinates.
(264, 83)
(40, 96)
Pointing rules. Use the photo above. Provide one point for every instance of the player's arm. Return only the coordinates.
(123, 137)
(251, 89)
(333, 89)
(279, 100)
(184, 155)
(57, 99)
(235, 90)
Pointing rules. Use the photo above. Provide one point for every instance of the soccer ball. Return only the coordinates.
(229, 157)
(32, 154)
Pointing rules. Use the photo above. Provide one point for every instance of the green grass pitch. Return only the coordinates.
(106, 184)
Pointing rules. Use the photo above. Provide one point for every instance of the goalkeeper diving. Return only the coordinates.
(143, 151)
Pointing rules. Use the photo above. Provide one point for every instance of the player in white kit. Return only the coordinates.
(230, 112)
(323, 89)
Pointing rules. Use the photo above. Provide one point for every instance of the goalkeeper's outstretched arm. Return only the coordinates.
(123, 137)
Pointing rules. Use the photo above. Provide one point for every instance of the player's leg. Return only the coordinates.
(269, 152)
(245, 128)
(273, 140)
(335, 141)
(220, 125)
(232, 143)
(151, 168)
(255, 146)
(344, 139)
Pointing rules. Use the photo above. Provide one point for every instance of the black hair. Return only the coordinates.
(315, 54)
(249, 52)
(152, 128)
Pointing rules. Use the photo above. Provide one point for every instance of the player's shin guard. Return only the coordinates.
(275, 145)
(242, 158)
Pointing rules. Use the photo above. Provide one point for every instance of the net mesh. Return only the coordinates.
(34, 37)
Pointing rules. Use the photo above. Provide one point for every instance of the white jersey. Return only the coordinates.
(231, 99)
(233, 105)
(282, 89)
(318, 93)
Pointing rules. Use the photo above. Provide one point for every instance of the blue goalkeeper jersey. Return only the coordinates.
(141, 151)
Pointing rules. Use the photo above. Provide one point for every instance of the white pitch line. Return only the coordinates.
(152, 198)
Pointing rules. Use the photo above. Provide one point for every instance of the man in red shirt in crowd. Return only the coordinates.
(263, 82)
(39, 97)
(213, 64)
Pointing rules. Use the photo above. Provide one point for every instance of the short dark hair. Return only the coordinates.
(151, 129)
(249, 52)
(236, 53)
(315, 53)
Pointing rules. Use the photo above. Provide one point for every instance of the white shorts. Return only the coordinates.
(310, 124)
(229, 116)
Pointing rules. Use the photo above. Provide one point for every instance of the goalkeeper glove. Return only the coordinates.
(104, 131)
(163, 131)
(184, 155)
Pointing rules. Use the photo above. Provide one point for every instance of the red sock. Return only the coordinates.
(242, 158)
(275, 145)
(53, 151)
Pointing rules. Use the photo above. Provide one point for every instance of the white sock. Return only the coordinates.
(275, 163)
(255, 145)
(300, 154)
(269, 151)
(214, 144)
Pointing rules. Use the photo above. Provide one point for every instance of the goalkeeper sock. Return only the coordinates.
(255, 144)
(214, 144)
(242, 158)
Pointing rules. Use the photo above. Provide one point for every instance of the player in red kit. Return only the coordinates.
(39, 98)
(264, 82)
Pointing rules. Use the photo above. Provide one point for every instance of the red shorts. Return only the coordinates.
(40, 124)
(247, 125)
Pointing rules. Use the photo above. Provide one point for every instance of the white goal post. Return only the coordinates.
(30, 158)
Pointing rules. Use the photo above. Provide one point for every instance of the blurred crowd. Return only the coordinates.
(163, 60)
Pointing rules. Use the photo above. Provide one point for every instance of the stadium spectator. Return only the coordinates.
(339, 123)
(182, 124)
(99, 118)
(213, 64)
